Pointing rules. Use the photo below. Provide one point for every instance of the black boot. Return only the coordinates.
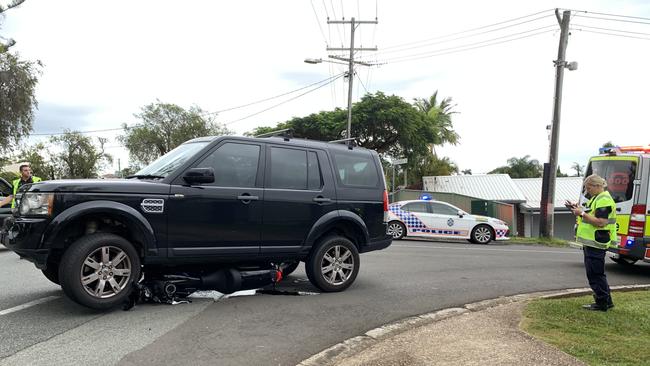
(596, 306)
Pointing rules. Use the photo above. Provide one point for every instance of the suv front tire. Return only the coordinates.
(333, 265)
(98, 270)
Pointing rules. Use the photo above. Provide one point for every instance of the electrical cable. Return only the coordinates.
(462, 37)
(283, 102)
(361, 81)
(611, 30)
(471, 48)
(318, 22)
(611, 34)
(610, 19)
(469, 30)
(469, 44)
(609, 15)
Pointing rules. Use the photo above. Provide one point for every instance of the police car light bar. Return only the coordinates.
(623, 149)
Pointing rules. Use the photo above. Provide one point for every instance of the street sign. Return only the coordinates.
(400, 161)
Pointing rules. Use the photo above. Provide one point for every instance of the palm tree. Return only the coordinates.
(439, 114)
(578, 168)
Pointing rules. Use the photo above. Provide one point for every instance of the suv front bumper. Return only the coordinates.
(23, 236)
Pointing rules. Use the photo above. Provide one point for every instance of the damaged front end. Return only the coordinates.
(174, 288)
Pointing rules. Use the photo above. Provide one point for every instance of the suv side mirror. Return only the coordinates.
(199, 175)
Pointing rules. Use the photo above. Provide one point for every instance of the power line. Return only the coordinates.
(470, 44)
(284, 102)
(468, 30)
(318, 22)
(471, 48)
(91, 131)
(337, 27)
(611, 34)
(463, 37)
(611, 30)
(269, 98)
(362, 84)
(609, 15)
(610, 19)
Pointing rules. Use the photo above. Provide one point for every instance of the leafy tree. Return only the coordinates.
(39, 164)
(439, 116)
(520, 168)
(559, 173)
(164, 126)
(578, 168)
(18, 81)
(608, 144)
(430, 165)
(78, 157)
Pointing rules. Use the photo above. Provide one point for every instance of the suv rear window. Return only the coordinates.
(356, 169)
(619, 175)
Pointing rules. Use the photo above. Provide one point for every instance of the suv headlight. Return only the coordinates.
(36, 204)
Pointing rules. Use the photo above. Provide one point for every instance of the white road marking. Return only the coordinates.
(28, 305)
(487, 249)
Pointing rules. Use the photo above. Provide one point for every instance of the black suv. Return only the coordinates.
(211, 203)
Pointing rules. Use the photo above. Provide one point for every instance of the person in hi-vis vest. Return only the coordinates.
(25, 178)
(597, 232)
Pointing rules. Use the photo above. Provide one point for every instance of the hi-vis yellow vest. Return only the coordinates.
(16, 183)
(588, 234)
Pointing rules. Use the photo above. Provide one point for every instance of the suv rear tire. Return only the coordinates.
(51, 272)
(333, 265)
(98, 270)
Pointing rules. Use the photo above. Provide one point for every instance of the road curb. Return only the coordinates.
(353, 346)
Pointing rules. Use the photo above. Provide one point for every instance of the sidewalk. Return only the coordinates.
(484, 333)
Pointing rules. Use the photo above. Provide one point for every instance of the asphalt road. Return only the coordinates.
(409, 278)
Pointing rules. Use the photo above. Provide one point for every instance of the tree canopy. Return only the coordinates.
(77, 156)
(164, 126)
(523, 167)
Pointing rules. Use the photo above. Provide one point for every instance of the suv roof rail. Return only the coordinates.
(286, 133)
(349, 141)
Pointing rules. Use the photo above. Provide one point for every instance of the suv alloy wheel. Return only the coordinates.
(334, 264)
(98, 270)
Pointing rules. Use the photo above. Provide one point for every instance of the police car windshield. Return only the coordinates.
(169, 162)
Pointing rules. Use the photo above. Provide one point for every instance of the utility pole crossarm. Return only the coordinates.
(356, 49)
(352, 21)
(348, 60)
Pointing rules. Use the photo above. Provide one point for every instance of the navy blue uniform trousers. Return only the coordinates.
(595, 266)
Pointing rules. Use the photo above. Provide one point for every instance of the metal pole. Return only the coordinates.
(119, 168)
(350, 78)
(392, 187)
(548, 182)
(405, 178)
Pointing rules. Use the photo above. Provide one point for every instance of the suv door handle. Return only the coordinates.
(321, 199)
(247, 198)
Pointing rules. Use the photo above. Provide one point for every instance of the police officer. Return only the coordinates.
(25, 178)
(597, 232)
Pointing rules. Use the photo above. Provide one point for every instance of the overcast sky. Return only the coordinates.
(105, 60)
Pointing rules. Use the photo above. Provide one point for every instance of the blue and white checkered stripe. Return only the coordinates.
(410, 220)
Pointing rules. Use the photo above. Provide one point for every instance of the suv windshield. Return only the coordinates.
(619, 175)
(169, 162)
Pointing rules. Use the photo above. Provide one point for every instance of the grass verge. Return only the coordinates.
(595, 337)
(553, 242)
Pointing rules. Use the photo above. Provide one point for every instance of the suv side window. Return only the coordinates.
(421, 207)
(314, 176)
(442, 209)
(356, 169)
(288, 168)
(234, 164)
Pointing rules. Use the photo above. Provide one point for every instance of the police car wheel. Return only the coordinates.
(482, 234)
(333, 265)
(98, 270)
(396, 229)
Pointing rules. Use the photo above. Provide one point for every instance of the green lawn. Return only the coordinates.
(553, 242)
(617, 337)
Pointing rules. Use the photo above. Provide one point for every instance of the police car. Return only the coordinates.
(435, 219)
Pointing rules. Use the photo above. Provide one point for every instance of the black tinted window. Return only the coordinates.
(416, 207)
(619, 175)
(356, 169)
(235, 165)
(288, 168)
(315, 181)
(442, 209)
